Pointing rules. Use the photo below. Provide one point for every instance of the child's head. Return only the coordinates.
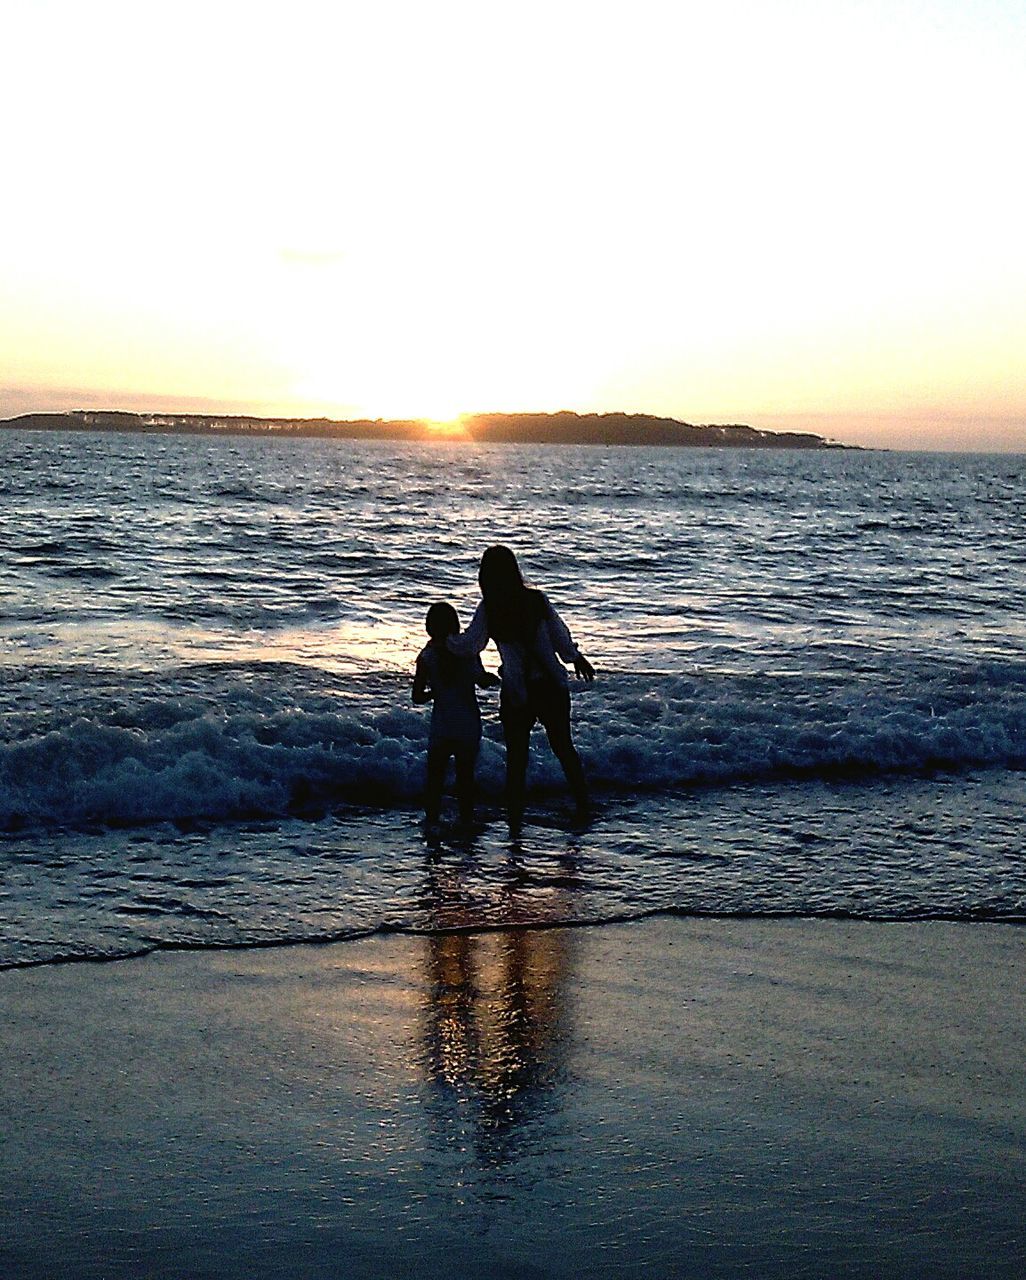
(442, 621)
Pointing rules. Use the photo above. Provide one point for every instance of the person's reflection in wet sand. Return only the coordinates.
(495, 1033)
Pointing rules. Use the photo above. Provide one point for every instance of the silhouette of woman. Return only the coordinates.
(531, 638)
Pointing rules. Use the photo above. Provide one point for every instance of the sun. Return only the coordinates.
(447, 428)
(374, 394)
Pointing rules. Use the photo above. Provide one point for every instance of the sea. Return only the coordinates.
(810, 701)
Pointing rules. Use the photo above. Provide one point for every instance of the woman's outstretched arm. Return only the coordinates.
(474, 639)
(563, 643)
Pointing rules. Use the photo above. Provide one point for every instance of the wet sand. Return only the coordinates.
(667, 1098)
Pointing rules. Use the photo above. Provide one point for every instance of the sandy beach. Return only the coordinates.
(672, 1097)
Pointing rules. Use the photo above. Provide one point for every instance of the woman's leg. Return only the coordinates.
(516, 727)
(554, 714)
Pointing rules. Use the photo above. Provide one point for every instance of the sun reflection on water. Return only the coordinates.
(495, 1020)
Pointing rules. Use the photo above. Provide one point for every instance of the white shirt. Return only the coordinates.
(523, 662)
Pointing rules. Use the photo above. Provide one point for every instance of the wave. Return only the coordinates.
(239, 752)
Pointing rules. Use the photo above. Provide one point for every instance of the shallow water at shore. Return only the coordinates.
(811, 694)
(905, 849)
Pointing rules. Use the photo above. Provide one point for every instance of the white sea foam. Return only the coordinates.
(189, 760)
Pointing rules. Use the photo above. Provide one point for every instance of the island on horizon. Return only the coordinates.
(563, 427)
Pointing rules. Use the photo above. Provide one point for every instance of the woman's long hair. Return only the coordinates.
(513, 609)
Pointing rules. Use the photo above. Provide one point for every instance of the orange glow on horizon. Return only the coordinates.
(448, 428)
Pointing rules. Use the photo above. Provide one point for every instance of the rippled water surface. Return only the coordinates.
(812, 692)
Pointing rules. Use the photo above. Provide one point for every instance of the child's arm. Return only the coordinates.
(421, 679)
(482, 678)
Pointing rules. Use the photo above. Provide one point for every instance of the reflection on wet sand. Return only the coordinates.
(495, 1033)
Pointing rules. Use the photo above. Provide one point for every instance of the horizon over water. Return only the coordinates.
(811, 694)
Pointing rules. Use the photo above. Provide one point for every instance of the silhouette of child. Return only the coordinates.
(449, 682)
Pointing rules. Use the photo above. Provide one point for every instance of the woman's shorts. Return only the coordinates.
(548, 703)
(454, 744)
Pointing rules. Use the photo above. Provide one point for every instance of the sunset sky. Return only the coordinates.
(793, 214)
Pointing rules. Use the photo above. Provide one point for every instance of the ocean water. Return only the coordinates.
(811, 694)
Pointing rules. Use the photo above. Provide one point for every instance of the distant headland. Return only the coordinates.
(478, 428)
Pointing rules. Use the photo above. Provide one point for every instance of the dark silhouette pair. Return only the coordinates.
(533, 643)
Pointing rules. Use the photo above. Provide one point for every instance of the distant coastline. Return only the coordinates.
(481, 428)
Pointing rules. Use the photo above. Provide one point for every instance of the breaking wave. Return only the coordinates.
(232, 753)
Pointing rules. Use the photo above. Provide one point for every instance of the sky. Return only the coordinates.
(801, 215)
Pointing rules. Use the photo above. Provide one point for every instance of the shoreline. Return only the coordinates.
(342, 938)
(672, 1096)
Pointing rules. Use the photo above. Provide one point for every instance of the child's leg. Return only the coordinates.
(437, 763)
(466, 758)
